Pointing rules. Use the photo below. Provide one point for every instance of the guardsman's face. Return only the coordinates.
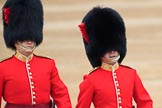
(25, 47)
(110, 57)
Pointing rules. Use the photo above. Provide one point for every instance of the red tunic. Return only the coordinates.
(113, 89)
(32, 82)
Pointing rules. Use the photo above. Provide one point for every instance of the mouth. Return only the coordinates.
(30, 46)
(114, 56)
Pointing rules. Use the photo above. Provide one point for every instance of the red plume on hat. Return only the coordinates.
(83, 31)
(103, 30)
(6, 12)
(22, 20)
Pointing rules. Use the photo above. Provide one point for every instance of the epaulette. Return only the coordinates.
(47, 57)
(127, 67)
(5, 58)
(94, 69)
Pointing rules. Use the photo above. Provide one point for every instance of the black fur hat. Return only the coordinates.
(103, 30)
(22, 20)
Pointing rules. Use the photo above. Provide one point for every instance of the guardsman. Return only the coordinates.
(26, 79)
(110, 85)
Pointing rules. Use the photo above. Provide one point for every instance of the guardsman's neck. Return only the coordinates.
(22, 57)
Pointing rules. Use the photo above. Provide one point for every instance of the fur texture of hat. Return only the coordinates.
(22, 20)
(103, 31)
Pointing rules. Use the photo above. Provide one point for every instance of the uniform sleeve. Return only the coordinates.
(1, 88)
(59, 91)
(140, 94)
(86, 94)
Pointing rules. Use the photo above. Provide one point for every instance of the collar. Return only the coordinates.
(109, 67)
(22, 57)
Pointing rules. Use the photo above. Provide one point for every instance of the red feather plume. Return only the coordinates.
(83, 31)
(6, 12)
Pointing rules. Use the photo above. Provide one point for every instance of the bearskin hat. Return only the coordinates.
(103, 30)
(22, 20)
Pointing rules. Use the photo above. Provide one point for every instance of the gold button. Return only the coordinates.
(118, 93)
(116, 82)
(119, 98)
(114, 73)
(119, 101)
(34, 102)
(115, 76)
(28, 68)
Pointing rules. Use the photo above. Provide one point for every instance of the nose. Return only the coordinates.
(30, 41)
(112, 52)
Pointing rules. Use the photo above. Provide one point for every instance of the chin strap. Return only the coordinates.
(26, 48)
(114, 59)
